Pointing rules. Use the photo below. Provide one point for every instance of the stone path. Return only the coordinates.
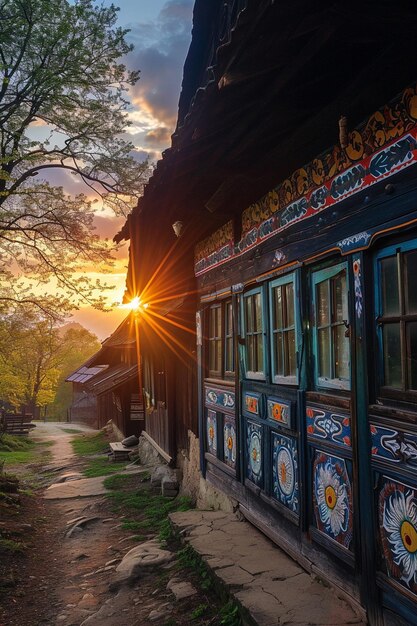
(271, 588)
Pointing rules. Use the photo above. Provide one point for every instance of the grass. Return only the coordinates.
(19, 450)
(90, 444)
(102, 467)
(147, 511)
(8, 545)
(72, 430)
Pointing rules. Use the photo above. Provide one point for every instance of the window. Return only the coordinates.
(283, 329)
(229, 357)
(254, 334)
(215, 340)
(396, 300)
(330, 333)
(221, 340)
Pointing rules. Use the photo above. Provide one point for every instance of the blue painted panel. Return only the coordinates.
(220, 399)
(279, 411)
(211, 426)
(397, 514)
(285, 471)
(393, 445)
(254, 447)
(332, 498)
(229, 441)
(323, 424)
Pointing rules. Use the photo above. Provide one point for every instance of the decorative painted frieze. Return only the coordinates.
(325, 424)
(397, 513)
(211, 432)
(332, 498)
(221, 399)
(285, 471)
(279, 411)
(392, 445)
(229, 441)
(254, 453)
(384, 145)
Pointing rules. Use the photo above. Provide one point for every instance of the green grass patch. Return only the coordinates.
(72, 430)
(8, 545)
(152, 510)
(102, 467)
(188, 559)
(199, 611)
(90, 444)
(13, 443)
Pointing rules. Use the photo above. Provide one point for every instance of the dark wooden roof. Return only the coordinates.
(270, 101)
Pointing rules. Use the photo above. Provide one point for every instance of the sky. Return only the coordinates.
(160, 30)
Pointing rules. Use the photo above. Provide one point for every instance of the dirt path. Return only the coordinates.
(69, 580)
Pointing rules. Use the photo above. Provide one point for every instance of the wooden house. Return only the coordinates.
(107, 386)
(292, 184)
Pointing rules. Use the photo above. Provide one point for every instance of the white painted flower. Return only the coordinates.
(400, 524)
(332, 499)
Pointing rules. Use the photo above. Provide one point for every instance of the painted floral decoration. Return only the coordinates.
(333, 498)
(399, 521)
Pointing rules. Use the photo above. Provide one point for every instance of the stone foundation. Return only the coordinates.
(193, 483)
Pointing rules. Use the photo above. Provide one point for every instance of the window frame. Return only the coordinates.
(222, 373)
(280, 379)
(261, 374)
(384, 391)
(214, 339)
(317, 277)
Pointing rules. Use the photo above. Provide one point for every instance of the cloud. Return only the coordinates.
(158, 137)
(160, 50)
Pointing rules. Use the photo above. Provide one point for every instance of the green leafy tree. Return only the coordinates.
(35, 357)
(60, 73)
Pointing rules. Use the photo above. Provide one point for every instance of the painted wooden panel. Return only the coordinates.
(220, 399)
(251, 403)
(279, 411)
(332, 498)
(254, 455)
(324, 424)
(397, 513)
(285, 471)
(211, 424)
(395, 446)
(229, 441)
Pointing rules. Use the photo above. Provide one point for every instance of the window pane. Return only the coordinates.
(341, 353)
(249, 314)
(258, 311)
(289, 293)
(278, 308)
(324, 353)
(279, 363)
(411, 275)
(412, 355)
(259, 354)
(218, 322)
(229, 318)
(323, 303)
(390, 287)
(249, 348)
(340, 312)
(212, 356)
(290, 345)
(392, 355)
(229, 355)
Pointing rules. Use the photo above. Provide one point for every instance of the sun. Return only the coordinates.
(133, 305)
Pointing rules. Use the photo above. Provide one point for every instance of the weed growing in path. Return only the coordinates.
(102, 467)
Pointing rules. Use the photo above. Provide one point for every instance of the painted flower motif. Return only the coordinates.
(400, 524)
(332, 499)
(229, 443)
(211, 433)
(277, 412)
(285, 471)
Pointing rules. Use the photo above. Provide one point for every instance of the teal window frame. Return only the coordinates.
(257, 374)
(319, 277)
(278, 378)
(402, 318)
(215, 340)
